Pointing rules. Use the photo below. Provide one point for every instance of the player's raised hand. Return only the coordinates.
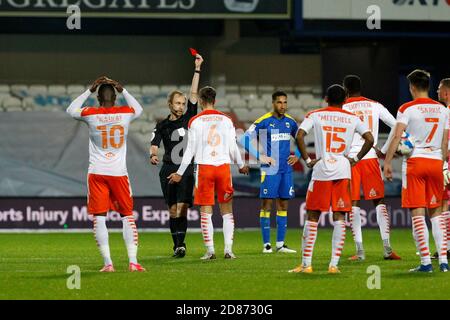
(244, 170)
(198, 61)
(115, 84)
(267, 160)
(174, 178)
(292, 160)
(98, 82)
(387, 171)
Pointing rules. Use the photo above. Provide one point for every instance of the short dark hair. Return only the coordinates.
(278, 93)
(207, 95)
(336, 95)
(106, 92)
(420, 79)
(352, 84)
(446, 82)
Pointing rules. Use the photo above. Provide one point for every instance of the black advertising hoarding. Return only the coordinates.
(151, 213)
(210, 9)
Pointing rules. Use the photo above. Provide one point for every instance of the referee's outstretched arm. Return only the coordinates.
(193, 96)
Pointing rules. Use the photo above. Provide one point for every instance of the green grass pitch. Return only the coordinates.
(33, 266)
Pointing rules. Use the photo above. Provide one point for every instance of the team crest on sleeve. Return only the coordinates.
(288, 125)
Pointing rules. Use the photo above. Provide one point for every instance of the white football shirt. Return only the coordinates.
(370, 112)
(108, 130)
(334, 130)
(211, 141)
(425, 121)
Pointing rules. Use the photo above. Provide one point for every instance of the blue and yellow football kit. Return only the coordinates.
(274, 135)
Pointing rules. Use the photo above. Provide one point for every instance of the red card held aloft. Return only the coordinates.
(193, 51)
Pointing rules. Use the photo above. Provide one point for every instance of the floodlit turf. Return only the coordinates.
(33, 266)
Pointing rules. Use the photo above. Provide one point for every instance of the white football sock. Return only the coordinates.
(338, 242)
(440, 237)
(228, 231)
(308, 241)
(420, 233)
(355, 222)
(207, 231)
(130, 236)
(101, 236)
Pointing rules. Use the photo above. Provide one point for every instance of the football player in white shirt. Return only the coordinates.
(334, 129)
(108, 184)
(444, 97)
(212, 144)
(426, 121)
(367, 172)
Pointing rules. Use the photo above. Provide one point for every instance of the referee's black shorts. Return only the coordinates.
(181, 192)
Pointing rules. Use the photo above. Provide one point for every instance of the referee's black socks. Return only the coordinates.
(174, 231)
(181, 231)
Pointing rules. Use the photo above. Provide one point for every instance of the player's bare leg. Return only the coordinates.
(355, 222)
(282, 208)
(207, 232)
(101, 236)
(384, 225)
(421, 235)
(264, 218)
(308, 241)
(131, 238)
(338, 241)
(180, 229)
(226, 209)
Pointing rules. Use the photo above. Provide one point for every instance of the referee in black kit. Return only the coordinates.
(172, 132)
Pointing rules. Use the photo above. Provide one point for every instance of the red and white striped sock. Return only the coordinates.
(440, 237)
(130, 236)
(420, 232)
(337, 242)
(309, 239)
(355, 222)
(101, 236)
(207, 231)
(228, 231)
(384, 225)
(446, 216)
